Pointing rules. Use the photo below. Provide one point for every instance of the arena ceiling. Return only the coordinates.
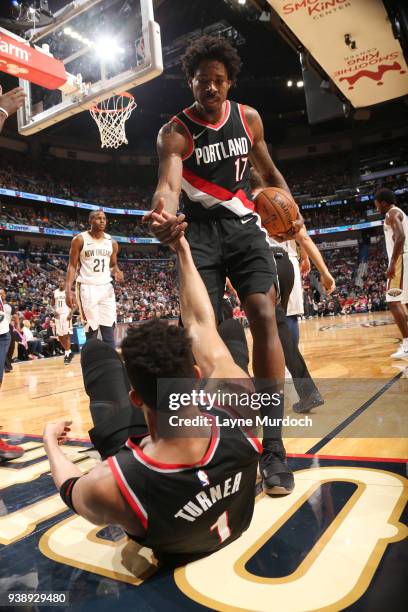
(268, 64)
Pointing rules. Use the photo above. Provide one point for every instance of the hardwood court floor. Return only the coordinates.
(347, 356)
(335, 543)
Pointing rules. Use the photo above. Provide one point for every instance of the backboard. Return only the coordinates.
(106, 46)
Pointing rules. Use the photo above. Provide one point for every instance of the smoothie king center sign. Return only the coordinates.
(375, 70)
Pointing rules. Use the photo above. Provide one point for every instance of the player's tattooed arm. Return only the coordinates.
(260, 156)
(114, 268)
(394, 219)
(76, 246)
(172, 144)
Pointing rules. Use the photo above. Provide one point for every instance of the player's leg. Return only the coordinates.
(204, 240)
(398, 312)
(293, 325)
(307, 391)
(108, 334)
(107, 386)
(87, 297)
(295, 302)
(396, 297)
(62, 329)
(4, 345)
(107, 315)
(233, 336)
(7, 451)
(252, 270)
(8, 366)
(65, 342)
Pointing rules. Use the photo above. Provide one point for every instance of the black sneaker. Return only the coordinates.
(308, 403)
(277, 477)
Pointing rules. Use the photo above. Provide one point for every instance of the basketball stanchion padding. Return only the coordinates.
(110, 116)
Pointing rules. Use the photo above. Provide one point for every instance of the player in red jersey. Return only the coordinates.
(206, 151)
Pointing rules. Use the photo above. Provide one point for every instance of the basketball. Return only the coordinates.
(277, 210)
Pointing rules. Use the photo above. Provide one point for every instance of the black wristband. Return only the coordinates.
(66, 492)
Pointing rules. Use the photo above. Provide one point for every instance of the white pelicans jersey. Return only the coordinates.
(60, 305)
(95, 260)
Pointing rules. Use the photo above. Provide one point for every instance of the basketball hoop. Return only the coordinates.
(110, 116)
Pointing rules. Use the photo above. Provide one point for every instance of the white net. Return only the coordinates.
(110, 116)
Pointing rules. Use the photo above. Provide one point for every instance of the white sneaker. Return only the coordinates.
(400, 354)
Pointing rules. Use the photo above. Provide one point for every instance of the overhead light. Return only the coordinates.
(358, 190)
(289, 83)
(299, 84)
(107, 48)
(242, 2)
(391, 163)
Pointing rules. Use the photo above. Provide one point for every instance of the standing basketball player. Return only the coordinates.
(96, 255)
(63, 318)
(205, 150)
(396, 242)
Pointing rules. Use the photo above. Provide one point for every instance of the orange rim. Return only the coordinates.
(122, 109)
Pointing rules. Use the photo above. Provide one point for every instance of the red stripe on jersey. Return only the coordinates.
(149, 461)
(212, 126)
(190, 138)
(215, 190)
(245, 123)
(124, 489)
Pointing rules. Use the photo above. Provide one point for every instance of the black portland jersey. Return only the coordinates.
(189, 511)
(216, 166)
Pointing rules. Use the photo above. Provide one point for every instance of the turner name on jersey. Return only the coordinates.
(233, 147)
(204, 500)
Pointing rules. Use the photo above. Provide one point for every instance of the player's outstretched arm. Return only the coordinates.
(210, 352)
(306, 243)
(171, 145)
(95, 496)
(76, 246)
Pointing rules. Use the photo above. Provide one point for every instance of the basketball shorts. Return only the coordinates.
(295, 304)
(97, 305)
(62, 326)
(397, 287)
(234, 247)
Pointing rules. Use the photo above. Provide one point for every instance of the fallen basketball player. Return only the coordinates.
(184, 494)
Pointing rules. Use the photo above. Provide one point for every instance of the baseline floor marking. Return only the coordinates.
(331, 435)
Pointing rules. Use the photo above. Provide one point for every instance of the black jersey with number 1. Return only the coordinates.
(189, 511)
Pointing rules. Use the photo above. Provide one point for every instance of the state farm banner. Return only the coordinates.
(19, 59)
(375, 71)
